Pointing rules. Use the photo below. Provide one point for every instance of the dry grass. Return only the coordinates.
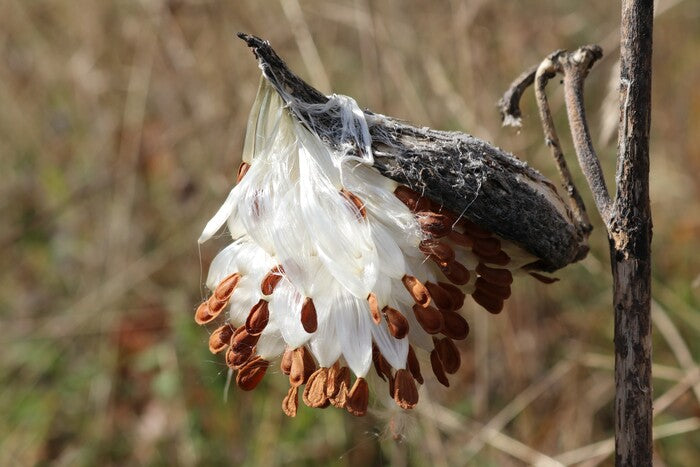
(121, 125)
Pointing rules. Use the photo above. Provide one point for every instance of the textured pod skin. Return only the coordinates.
(470, 177)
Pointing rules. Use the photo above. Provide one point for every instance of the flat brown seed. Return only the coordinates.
(242, 170)
(495, 276)
(242, 341)
(440, 296)
(449, 354)
(358, 398)
(203, 315)
(435, 224)
(286, 362)
(487, 246)
(455, 327)
(258, 318)
(496, 291)
(250, 375)
(544, 279)
(438, 369)
(413, 365)
(411, 199)
(430, 319)
(333, 383)
(315, 390)
(397, 323)
(341, 388)
(456, 272)
(474, 230)
(226, 287)
(405, 390)
(290, 404)
(500, 259)
(456, 293)
(374, 308)
(356, 202)
(440, 251)
(308, 316)
(381, 366)
(490, 303)
(216, 306)
(309, 363)
(220, 338)
(270, 281)
(461, 239)
(417, 290)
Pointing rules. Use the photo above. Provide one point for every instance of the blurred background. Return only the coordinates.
(121, 127)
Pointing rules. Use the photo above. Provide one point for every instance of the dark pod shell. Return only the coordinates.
(492, 188)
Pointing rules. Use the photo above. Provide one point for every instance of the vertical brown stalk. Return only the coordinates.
(630, 242)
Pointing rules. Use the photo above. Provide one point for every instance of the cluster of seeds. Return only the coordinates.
(471, 260)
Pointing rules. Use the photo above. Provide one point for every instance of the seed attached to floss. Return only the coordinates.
(226, 287)
(290, 404)
(449, 354)
(203, 315)
(258, 318)
(358, 398)
(440, 296)
(436, 224)
(411, 199)
(270, 281)
(381, 366)
(397, 323)
(405, 390)
(250, 375)
(242, 170)
(440, 252)
(430, 319)
(461, 239)
(374, 308)
(339, 390)
(438, 369)
(220, 338)
(455, 327)
(309, 320)
(286, 362)
(456, 272)
(413, 365)
(455, 293)
(417, 290)
(490, 303)
(315, 390)
(496, 291)
(495, 276)
(355, 201)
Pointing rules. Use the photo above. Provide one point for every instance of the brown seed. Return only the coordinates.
(438, 369)
(308, 316)
(486, 246)
(216, 306)
(543, 278)
(397, 323)
(355, 201)
(333, 382)
(315, 391)
(226, 287)
(436, 224)
(358, 398)
(449, 354)
(340, 388)
(381, 366)
(473, 230)
(250, 375)
(430, 319)
(500, 259)
(203, 315)
(442, 252)
(270, 281)
(495, 276)
(461, 239)
(456, 272)
(417, 290)
(235, 360)
(286, 362)
(490, 303)
(414, 365)
(455, 293)
(220, 338)
(290, 404)
(405, 390)
(303, 366)
(411, 199)
(440, 296)
(242, 170)
(455, 327)
(258, 318)
(496, 291)
(242, 341)
(374, 308)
